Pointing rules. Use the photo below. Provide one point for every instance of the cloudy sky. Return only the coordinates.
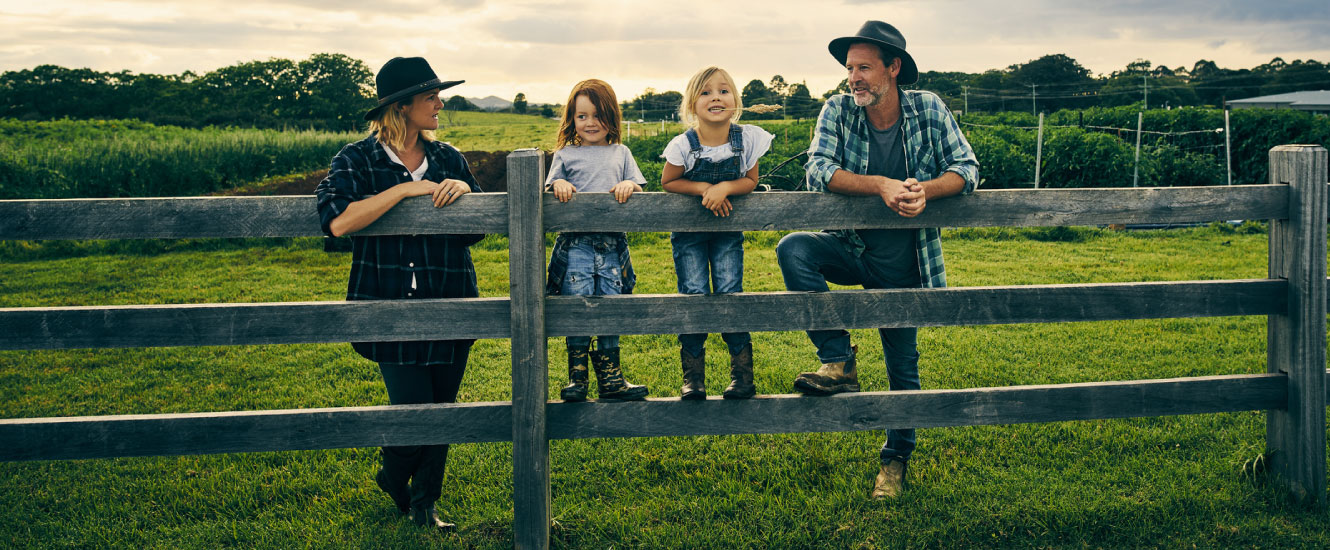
(541, 48)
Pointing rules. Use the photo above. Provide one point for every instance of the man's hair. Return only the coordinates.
(601, 95)
(686, 112)
(390, 125)
(882, 53)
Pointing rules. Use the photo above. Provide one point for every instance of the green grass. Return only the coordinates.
(1173, 482)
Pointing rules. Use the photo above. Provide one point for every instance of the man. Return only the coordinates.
(901, 146)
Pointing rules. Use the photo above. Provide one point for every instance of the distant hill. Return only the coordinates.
(491, 103)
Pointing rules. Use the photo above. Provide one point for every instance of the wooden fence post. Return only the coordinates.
(1295, 435)
(526, 276)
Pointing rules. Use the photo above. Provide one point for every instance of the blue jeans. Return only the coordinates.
(705, 261)
(593, 270)
(808, 261)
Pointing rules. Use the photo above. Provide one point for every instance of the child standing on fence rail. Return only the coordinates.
(588, 158)
(715, 159)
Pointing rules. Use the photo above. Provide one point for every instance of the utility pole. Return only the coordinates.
(1145, 82)
(966, 91)
(1034, 110)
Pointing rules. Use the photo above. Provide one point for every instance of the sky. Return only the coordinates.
(542, 48)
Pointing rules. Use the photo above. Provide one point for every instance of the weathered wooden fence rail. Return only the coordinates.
(1293, 297)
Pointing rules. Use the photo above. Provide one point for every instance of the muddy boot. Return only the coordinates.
(609, 379)
(741, 375)
(694, 376)
(577, 376)
(832, 378)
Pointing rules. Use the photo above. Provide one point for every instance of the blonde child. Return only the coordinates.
(715, 159)
(588, 158)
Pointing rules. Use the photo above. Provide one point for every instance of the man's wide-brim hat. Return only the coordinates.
(883, 36)
(403, 77)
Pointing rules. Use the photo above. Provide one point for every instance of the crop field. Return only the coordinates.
(1153, 482)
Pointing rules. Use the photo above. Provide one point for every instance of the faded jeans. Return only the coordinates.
(808, 261)
(593, 270)
(710, 263)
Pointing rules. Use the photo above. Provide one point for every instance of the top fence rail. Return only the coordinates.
(293, 216)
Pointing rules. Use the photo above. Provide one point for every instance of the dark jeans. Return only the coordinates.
(808, 261)
(422, 465)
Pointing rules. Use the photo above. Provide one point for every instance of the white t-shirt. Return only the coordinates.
(416, 174)
(756, 143)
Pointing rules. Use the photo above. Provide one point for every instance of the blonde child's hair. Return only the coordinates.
(601, 95)
(390, 125)
(690, 95)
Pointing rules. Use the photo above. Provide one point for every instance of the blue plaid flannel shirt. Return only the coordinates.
(384, 267)
(934, 145)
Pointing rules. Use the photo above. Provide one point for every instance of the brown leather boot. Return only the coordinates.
(577, 376)
(832, 378)
(741, 375)
(890, 481)
(609, 378)
(694, 375)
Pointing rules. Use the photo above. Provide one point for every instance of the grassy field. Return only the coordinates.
(1171, 482)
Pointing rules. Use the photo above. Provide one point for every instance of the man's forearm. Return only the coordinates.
(850, 183)
(946, 185)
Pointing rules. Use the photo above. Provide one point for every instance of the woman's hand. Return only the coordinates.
(448, 191)
(624, 189)
(563, 190)
(717, 200)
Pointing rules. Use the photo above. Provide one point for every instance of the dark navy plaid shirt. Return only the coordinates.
(383, 268)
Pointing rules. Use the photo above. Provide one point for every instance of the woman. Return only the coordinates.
(401, 159)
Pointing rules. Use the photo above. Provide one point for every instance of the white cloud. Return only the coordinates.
(542, 48)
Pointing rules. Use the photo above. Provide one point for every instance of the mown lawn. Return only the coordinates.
(1172, 482)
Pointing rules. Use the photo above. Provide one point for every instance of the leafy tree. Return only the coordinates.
(547, 111)
(519, 103)
(1059, 82)
(842, 88)
(800, 102)
(459, 103)
(778, 86)
(331, 91)
(757, 93)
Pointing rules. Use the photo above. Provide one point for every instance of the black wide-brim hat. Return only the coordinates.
(883, 36)
(403, 77)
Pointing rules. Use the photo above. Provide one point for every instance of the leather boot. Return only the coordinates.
(890, 480)
(609, 377)
(831, 378)
(741, 375)
(694, 375)
(577, 376)
(425, 516)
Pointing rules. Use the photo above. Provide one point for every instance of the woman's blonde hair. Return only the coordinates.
(601, 95)
(690, 95)
(390, 125)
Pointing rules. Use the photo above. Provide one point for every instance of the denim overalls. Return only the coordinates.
(720, 251)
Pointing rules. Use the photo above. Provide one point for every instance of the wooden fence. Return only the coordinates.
(1293, 298)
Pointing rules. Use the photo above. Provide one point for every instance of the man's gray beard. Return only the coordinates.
(865, 101)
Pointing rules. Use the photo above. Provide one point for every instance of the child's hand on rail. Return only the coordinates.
(563, 190)
(624, 189)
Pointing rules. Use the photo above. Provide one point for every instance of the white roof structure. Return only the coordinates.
(1314, 101)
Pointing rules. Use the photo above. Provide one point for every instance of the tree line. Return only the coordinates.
(330, 91)
(1055, 82)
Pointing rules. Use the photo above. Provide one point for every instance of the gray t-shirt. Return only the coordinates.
(890, 253)
(595, 168)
